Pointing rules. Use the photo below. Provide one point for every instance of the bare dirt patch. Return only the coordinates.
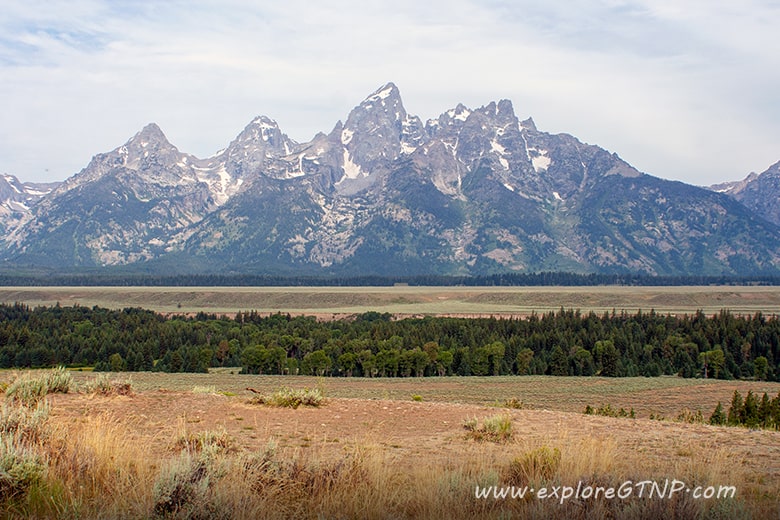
(431, 431)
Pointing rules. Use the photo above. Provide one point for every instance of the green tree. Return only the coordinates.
(765, 412)
(583, 362)
(774, 413)
(749, 416)
(444, 362)
(347, 362)
(420, 361)
(735, 410)
(523, 360)
(367, 363)
(387, 362)
(316, 363)
(480, 361)
(559, 362)
(253, 359)
(495, 352)
(712, 362)
(607, 356)
(760, 368)
(116, 362)
(718, 417)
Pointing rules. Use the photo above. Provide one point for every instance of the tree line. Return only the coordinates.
(112, 278)
(751, 412)
(373, 344)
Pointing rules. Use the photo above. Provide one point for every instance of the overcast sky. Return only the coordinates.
(681, 90)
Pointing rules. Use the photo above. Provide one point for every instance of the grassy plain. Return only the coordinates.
(665, 396)
(195, 446)
(460, 301)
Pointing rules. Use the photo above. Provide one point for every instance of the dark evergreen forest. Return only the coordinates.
(373, 344)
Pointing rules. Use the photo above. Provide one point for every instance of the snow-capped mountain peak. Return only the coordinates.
(473, 191)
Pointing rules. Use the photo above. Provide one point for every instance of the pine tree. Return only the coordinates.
(735, 410)
(750, 410)
(718, 418)
(765, 412)
(775, 411)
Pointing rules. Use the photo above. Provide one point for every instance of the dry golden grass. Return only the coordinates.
(462, 301)
(98, 469)
(185, 454)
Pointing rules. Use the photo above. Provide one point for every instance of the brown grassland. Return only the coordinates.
(408, 301)
(196, 446)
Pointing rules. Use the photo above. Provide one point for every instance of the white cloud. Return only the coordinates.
(680, 90)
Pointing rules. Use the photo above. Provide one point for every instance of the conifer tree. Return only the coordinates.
(718, 418)
(735, 410)
(749, 414)
(765, 412)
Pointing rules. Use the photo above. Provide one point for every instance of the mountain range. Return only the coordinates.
(474, 191)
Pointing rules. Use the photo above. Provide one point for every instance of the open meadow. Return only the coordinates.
(328, 302)
(205, 446)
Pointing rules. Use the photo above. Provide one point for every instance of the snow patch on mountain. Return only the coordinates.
(351, 170)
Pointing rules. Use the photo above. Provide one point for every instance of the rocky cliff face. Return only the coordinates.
(472, 191)
(759, 192)
(16, 198)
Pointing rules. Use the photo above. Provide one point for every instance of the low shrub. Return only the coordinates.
(687, 416)
(30, 388)
(497, 428)
(607, 411)
(291, 398)
(58, 380)
(514, 402)
(183, 488)
(206, 441)
(24, 422)
(541, 464)
(104, 385)
(20, 467)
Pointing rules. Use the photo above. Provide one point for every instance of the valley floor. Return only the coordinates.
(375, 450)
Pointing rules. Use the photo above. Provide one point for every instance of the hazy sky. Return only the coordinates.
(682, 90)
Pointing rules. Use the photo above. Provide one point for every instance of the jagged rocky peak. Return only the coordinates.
(759, 192)
(528, 124)
(150, 134)
(150, 144)
(381, 114)
(375, 131)
(493, 118)
(150, 139)
(9, 186)
(263, 130)
(259, 144)
(451, 119)
(388, 97)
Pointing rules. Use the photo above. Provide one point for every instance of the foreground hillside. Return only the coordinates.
(195, 446)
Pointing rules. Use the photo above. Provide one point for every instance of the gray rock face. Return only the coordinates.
(759, 192)
(473, 191)
(16, 199)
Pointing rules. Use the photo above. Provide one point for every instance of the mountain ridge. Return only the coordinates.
(759, 192)
(474, 191)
